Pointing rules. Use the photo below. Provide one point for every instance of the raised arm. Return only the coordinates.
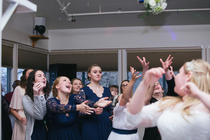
(144, 64)
(127, 92)
(149, 93)
(166, 66)
(37, 108)
(137, 101)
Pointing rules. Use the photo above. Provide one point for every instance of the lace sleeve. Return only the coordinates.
(80, 97)
(54, 107)
(147, 117)
(5, 105)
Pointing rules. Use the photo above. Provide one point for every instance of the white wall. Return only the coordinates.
(130, 37)
(19, 27)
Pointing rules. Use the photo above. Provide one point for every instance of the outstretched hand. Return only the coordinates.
(103, 102)
(152, 75)
(143, 62)
(85, 108)
(135, 75)
(167, 63)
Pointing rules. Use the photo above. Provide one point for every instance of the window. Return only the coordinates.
(108, 78)
(4, 80)
(19, 73)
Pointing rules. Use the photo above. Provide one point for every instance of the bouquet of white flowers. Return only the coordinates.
(154, 6)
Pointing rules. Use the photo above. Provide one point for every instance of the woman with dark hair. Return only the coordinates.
(17, 108)
(123, 85)
(34, 105)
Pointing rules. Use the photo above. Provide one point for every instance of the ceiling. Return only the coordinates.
(50, 10)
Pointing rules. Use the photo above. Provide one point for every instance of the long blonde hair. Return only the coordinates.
(200, 76)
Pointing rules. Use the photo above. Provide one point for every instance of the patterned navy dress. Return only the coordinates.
(62, 119)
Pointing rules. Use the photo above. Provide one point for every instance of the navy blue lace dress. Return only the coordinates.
(62, 119)
(95, 127)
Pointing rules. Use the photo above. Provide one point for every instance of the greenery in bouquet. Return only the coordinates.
(154, 6)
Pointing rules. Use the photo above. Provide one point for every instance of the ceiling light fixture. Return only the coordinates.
(71, 19)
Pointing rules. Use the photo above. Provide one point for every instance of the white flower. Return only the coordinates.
(152, 3)
(164, 6)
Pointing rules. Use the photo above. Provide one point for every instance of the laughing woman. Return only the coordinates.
(63, 111)
(34, 105)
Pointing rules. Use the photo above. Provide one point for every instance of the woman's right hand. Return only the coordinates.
(85, 108)
(37, 88)
(152, 75)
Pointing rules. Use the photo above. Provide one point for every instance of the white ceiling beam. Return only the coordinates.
(29, 6)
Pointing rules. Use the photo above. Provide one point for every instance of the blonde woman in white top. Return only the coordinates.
(183, 117)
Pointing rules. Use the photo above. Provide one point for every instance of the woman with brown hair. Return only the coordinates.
(97, 126)
(17, 108)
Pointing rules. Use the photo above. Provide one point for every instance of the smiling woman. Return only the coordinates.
(34, 105)
(63, 111)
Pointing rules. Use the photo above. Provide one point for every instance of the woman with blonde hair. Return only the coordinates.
(63, 111)
(183, 117)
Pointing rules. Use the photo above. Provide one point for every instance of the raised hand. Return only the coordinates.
(85, 108)
(171, 71)
(103, 102)
(143, 62)
(37, 88)
(134, 74)
(191, 89)
(152, 75)
(167, 63)
(98, 110)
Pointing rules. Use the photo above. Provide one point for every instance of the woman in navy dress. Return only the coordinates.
(96, 126)
(63, 111)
